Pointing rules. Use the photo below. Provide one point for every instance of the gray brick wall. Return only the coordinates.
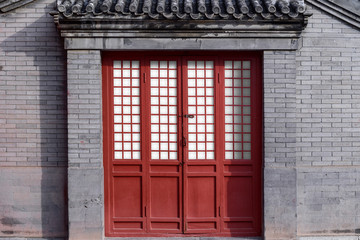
(327, 136)
(33, 135)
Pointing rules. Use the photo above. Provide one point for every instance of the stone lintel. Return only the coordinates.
(248, 44)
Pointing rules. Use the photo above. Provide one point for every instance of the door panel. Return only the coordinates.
(182, 144)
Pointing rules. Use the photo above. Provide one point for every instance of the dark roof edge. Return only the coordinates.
(337, 11)
(8, 5)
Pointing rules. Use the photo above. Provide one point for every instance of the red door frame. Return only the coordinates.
(256, 140)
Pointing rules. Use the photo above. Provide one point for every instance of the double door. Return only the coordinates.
(182, 144)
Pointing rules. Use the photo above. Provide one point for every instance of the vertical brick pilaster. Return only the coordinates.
(279, 142)
(85, 172)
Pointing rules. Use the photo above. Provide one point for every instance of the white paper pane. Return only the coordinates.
(136, 137)
(172, 119)
(228, 146)
(136, 128)
(237, 73)
(163, 119)
(247, 155)
(246, 101)
(163, 82)
(201, 92)
(163, 74)
(237, 155)
(164, 137)
(210, 137)
(154, 73)
(246, 92)
(118, 155)
(173, 137)
(210, 155)
(117, 100)
(228, 137)
(200, 64)
(154, 128)
(192, 128)
(117, 128)
(228, 155)
(201, 128)
(209, 128)
(126, 82)
(117, 64)
(118, 146)
(200, 119)
(209, 64)
(173, 128)
(127, 146)
(201, 155)
(127, 155)
(126, 100)
(127, 128)
(118, 137)
(117, 82)
(154, 100)
(127, 137)
(247, 137)
(173, 155)
(154, 64)
(209, 74)
(173, 146)
(228, 73)
(228, 64)
(246, 128)
(200, 137)
(201, 146)
(191, 74)
(117, 91)
(163, 128)
(172, 100)
(246, 82)
(117, 119)
(154, 155)
(164, 155)
(136, 155)
(192, 155)
(246, 73)
(154, 137)
(164, 146)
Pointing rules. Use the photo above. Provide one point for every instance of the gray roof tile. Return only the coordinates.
(182, 9)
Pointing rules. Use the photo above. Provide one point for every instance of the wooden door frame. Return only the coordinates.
(257, 116)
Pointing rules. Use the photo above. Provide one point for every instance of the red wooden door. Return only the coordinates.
(182, 144)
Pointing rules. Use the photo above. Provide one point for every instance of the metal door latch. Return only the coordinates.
(189, 116)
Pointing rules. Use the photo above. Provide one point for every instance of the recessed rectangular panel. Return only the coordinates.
(239, 225)
(202, 169)
(165, 225)
(201, 197)
(238, 169)
(131, 226)
(201, 225)
(164, 197)
(201, 104)
(128, 168)
(164, 169)
(127, 197)
(238, 195)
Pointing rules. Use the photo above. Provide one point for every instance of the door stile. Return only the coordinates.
(257, 141)
(183, 139)
(219, 138)
(145, 126)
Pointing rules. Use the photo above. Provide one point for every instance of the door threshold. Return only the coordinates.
(184, 238)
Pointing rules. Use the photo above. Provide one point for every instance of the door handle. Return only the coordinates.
(184, 141)
(189, 116)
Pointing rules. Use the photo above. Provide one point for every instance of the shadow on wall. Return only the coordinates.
(36, 86)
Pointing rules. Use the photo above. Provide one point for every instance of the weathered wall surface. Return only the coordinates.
(328, 128)
(33, 135)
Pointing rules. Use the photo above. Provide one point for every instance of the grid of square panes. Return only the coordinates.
(163, 110)
(237, 110)
(126, 110)
(201, 105)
